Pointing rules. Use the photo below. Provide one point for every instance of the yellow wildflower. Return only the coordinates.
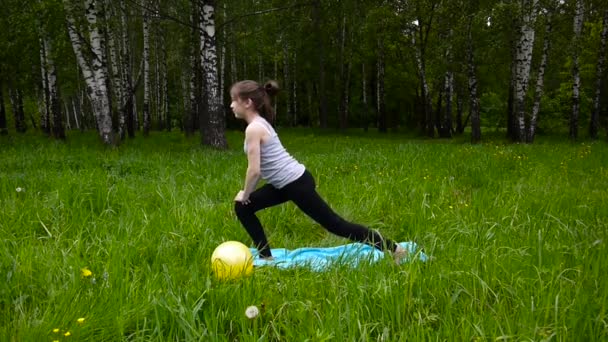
(85, 272)
(67, 334)
(80, 320)
(56, 330)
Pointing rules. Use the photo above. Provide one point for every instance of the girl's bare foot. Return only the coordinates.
(399, 254)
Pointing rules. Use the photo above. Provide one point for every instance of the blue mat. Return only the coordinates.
(319, 259)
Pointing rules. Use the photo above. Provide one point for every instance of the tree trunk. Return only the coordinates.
(459, 110)
(3, 128)
(57, 128)
(192, 120)
(45, 123)
(382, 120)
(286, 79)
(115, 62)
(540, 80)
(17, 105)
(146, 57)
(294, 91)
(576, 77)
(127, 119)
(365, 109)
(101, 105)
(213, 129)
(321, 50)
(76, 113)
(523, 62)
(599, 71)
(511, 122)
(475, 120)
(343, 107)
(426, 99)
(93, 72)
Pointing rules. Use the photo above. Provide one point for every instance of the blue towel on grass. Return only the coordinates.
(319, 259)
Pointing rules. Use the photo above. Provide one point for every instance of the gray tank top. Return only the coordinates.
(277, 166)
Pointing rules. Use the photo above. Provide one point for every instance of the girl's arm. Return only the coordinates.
(253, 137)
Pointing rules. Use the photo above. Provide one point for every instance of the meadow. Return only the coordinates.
(113, 244)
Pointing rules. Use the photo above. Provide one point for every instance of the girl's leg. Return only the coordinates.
(264, 197)
(302, 192)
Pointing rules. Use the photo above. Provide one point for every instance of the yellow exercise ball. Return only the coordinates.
(231, 260)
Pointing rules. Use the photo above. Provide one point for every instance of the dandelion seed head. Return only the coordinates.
(252, 312)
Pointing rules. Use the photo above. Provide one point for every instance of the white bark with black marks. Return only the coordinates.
(576, 77)
(474, 100)
(214, 125)
(540, 78)
(146, 57)
(523, 62)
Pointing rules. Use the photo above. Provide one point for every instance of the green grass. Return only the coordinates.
(517, 234)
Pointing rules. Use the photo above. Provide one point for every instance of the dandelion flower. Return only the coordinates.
(20, 189)
(56, 330)
(55, 340)
(80, 320)
(252, 312)
(85, 272)
(67, 334)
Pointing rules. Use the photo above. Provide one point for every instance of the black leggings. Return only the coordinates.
(302, 192)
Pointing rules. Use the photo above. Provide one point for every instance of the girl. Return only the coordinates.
(286, 178)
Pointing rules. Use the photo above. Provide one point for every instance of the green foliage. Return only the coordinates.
(517, 234)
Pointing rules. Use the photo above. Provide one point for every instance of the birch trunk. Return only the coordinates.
(222, 81)
(101, 103)
(165, 81)
(576, 77)
(146, 57)
(382, 121)
(344, 84)
(45, 123)
(428, 115)
(76, 113)
(294, 91)
(540, 80)
(68, 124)
(93, 72)
(126, 118)
(475, 120)
(56, 116)
(287, 81)
(214, 127)
(17, 105)
(194, 79)
(321, 52)
(599, 71)
(523, 62)
(115, 61)
(3, 128)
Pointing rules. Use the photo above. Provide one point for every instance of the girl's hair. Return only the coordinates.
(259, 95)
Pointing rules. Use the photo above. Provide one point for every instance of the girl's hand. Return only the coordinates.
(240, 198)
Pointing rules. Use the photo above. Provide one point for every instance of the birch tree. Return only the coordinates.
(523, 61)
(16, 97)
(94, 71)
(576, 77)
(213, 128)
(540, 77)
(472, 76)
(599, 71)
(146, 58)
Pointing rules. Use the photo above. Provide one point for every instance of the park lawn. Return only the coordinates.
(121, 239)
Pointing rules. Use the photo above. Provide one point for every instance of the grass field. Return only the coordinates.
(517, 234)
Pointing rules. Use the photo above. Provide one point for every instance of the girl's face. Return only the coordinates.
(239, 107)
